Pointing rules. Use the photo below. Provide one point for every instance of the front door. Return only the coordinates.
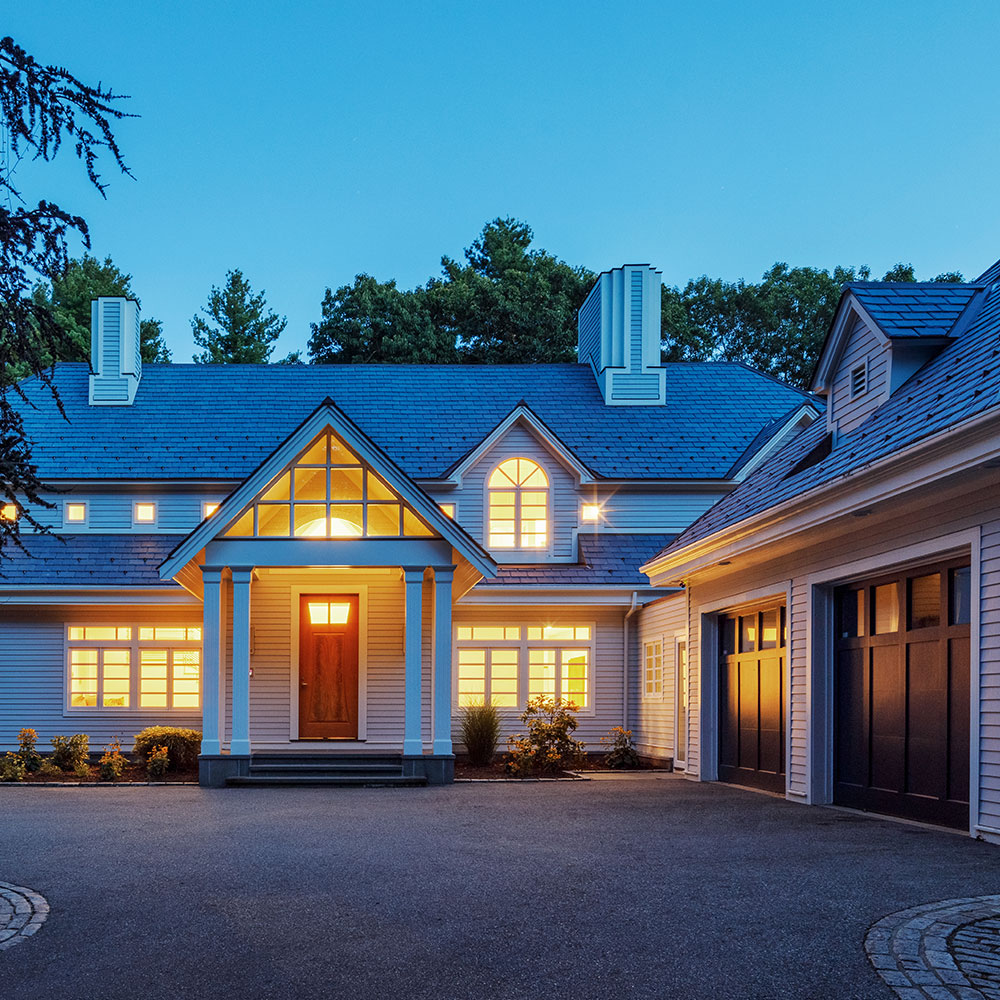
(328, 666)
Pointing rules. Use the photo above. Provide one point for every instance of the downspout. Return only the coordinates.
(633, 608)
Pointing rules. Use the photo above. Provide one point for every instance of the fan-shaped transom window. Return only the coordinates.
(518, 505)
(328, 493)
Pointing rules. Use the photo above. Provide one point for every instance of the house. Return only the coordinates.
(330, 561)
(837, 639)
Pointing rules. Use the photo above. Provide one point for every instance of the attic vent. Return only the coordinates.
(859, 379)
(814, 456)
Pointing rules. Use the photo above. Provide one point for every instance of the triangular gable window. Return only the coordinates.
(328, 492)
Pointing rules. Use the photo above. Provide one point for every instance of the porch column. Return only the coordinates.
(240, 744)
(211, 661)
(413, 576)
(442, 658)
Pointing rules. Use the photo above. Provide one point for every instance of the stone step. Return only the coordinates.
(331, 780)
(332, 760)
(333, 767)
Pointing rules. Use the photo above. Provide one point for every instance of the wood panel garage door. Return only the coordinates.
(901, 709)
(752, 698)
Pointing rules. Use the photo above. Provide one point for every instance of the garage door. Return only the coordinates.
(752, 698)
(901, 711)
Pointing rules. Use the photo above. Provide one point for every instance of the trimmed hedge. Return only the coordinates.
(183, 745)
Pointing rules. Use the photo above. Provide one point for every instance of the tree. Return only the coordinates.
(69, 295)
(246, 329)
(40, 107)
(374, 321)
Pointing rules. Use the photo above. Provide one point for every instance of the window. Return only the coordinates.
(75, 513)
(328, 493)
(509, 664)
(590, 512)
(653, 685)
(208, 509)
(859, 379)
(448, 509)
(9, 512)
(144, 513)
(134, 667)
(518, 506)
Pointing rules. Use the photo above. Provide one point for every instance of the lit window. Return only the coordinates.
(328, 613)
(208, 509)
(8, 512)
(145, 513)
(103, 660)
(554, 633)
(653, 686)
(489, 633)
(590, 512)
(448, 509)
(76, 513)
(518, 506)
(329, 493)
(492, 670)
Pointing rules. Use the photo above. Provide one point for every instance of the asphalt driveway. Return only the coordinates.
(604, 889)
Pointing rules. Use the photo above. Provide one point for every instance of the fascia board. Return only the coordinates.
(520, 414)
(810, 510)
(849, 309)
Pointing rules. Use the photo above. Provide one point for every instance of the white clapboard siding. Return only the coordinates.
(33, 675)
(660, 512)
(111, 513)
(652, 718)
(563, 495)
(863, 345)
(910, 522)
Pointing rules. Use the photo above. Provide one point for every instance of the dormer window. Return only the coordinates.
(859, 380)
(518, 505)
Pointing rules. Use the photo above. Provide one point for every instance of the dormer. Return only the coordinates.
(115, 358)
(618, 335)
(882, 334)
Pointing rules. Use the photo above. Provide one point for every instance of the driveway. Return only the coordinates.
(603, 889)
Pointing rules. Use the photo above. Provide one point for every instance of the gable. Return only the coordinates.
(860, 383)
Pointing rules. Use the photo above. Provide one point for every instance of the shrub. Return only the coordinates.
(12, 768)
(621, 751)
(183, 745)
(27, 739)
(49, 770)
(82, 770)
(481, 733)
(156, 763)
(113, 761)
(548, 746)
(68, 753)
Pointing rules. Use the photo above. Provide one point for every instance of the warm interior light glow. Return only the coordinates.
(590, 512)
(76, 512)
(145, 513)
(448, 509)
(208, 509)
(328, 613)
(8, 512)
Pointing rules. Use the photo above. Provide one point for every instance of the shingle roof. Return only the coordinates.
(962, 382)
(914, 309)
(222, 421)
(605, 560)
(87, 561)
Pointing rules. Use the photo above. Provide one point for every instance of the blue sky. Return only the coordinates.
(307, 142)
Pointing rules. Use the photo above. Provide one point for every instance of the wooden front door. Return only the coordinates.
(328, 666)
(901, 712)
(752, 681)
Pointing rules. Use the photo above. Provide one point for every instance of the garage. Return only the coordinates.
(901, 706)
(752, 679)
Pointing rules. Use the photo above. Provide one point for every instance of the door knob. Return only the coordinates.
(303, 684)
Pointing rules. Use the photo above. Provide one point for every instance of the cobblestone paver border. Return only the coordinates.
(22, 913)
(931, 952)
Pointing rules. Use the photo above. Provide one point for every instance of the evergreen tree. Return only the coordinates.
(245, 329)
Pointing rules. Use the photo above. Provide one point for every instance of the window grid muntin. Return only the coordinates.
(132, 643)
(350, 510)
(560, 651)
(518, 501)
(653, 669)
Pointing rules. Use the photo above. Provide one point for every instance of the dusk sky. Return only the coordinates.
(307, 142)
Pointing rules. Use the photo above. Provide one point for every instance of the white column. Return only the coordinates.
(211, 661)
(442, 658)
(414, 583)
(240, 743)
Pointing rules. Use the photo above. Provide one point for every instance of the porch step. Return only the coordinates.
(292, 769)
(331, 780)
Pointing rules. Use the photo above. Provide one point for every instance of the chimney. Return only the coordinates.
(115, 358)
(618, 335)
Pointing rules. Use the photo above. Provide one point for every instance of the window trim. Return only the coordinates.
(517, 547)
(524, 645)
(84, 521)
(134, 645)
(136, 523)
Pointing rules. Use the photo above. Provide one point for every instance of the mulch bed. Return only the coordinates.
(463, 769)
(132, 773)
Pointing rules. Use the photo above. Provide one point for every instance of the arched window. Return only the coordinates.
(518, 505)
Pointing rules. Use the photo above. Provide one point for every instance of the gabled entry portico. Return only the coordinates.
(327, 508)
